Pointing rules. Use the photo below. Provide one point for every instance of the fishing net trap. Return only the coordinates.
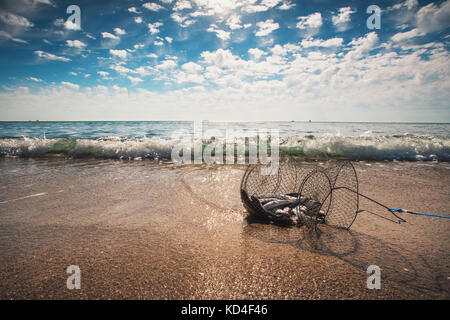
(296, 194)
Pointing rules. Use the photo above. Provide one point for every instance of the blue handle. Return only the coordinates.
(399, 210)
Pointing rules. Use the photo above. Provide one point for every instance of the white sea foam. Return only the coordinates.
(25, 197)
(405, 147)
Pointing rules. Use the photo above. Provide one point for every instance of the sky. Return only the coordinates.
(225, 60)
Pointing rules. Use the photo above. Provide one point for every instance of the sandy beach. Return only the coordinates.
(148, 230)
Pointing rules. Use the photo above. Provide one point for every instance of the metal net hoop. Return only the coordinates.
(344, 198)
(330, 191)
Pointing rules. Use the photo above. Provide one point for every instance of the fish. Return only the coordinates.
(274, 205)
(288, 209)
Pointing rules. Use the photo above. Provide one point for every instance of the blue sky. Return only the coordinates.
(225, 60)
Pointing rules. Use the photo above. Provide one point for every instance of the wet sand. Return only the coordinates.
(142, 230)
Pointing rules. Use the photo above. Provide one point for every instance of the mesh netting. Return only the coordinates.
(298, 193)
(344, 196)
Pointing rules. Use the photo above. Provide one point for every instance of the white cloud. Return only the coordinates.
(286, 5)
(34, 79)
(103, 73)
(222, 34)
(15, 20)
(343, 15)
(401, 36)
(342, 19)
(184, 77)
(70, 85)
(252, 7)
(362, 46)
(219, 58)
(265, 5)
(169, 39)
(278, 50)
(287, 81)
(144, 71)
(333, 42)
(119, 53)
(191, 67)
(50, 56)
(134, 10)
(270, 3)
(166, 65)
(75, 44)
(152, 6)
(6, 35)
(152, 55)
(48, 2)
(119, 31)
(234, 22)
(134, 80)
(215, 7)
(154, 27)
(255, 8)
(432, 17)
(138, 20)
(121, 69)
(183, 21)
(109, 35)
(409, 4)
(256, 53)
(266, 27)
(58, 22)
(69, 25)
(177, 17)
(181, 5)
(313, 20)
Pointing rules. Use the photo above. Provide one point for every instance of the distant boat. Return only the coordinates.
(309, 120)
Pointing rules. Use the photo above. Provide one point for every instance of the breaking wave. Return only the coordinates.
(405, 147)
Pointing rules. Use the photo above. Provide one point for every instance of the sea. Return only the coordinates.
(140, 140)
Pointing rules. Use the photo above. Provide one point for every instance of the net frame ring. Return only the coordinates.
(327, 187)
(244, 178)
(347, 165)
(250, 170)
(246, 193)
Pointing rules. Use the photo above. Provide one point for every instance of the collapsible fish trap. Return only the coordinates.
(302, 194)
(294, 193)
